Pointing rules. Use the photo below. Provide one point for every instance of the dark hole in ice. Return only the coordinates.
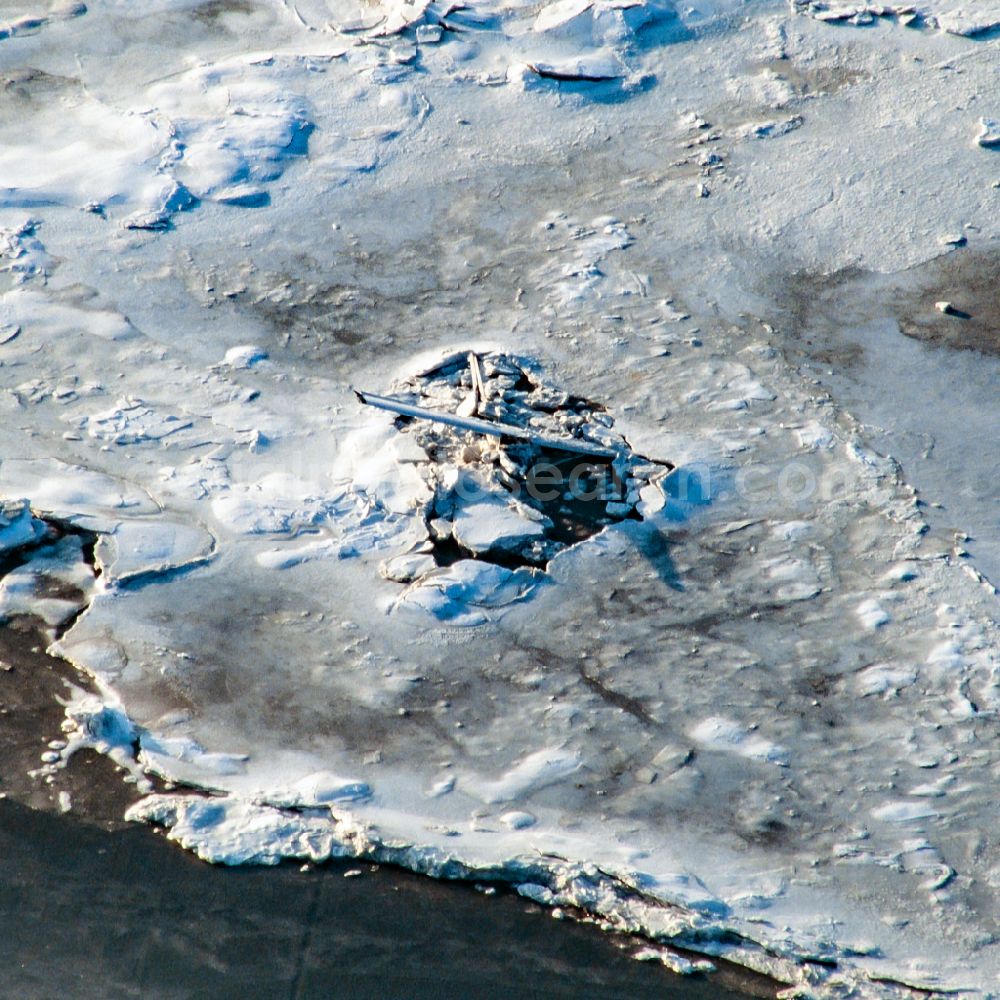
(581, 512)
(56, 530)
(49, 587)
(448, 551)
(560, 497)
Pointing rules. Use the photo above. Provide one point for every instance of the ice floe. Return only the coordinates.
(469, 592)
(23, 308)
(245, 356)
(226, 130)
(103, 158)
(988, 138)
(885, 680)
(55, 584)
(958, 17)
(965, 18)
(672, 713)
(73, 492)
(872, 614)
(18, 526)
(98, 722)
(22, 254)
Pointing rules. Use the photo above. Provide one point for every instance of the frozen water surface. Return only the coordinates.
(757, 718)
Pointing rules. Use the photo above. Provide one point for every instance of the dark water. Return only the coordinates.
(87, 913)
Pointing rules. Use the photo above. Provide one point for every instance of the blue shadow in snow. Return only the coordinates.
(688, 489)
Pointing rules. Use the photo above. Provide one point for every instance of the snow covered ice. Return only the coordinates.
(748, 706)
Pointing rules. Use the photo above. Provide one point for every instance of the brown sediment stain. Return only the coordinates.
(810, 305)
(969, 279)
(808, 80)
(816, 305)
(29, 90)
(318, 318)
(212, 10)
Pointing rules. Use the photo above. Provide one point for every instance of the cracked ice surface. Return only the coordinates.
(758, 722)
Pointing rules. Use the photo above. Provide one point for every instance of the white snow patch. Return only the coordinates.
(517, 820)
(316, 790)
(244, 356)
(469, 592)
(17, 525)
(38, 317)
(537, 770)
(871, 614)
(728, 736)
(903, 812)
(884, 679)
(989, 133)
(814, 436)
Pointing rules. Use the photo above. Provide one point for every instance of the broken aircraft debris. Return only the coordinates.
(516, 470)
